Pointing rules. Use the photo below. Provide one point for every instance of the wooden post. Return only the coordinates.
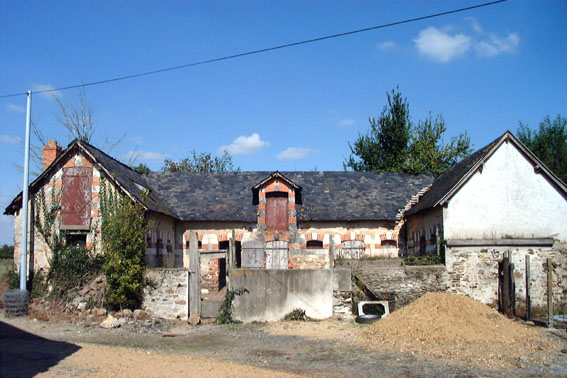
(232, 250)
(331, 252)
(195, 275)
(528, 299)
(506, 284)
(549, 293)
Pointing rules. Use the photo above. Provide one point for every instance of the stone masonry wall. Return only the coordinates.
(474, 271)
(170, 298)
(399, 285)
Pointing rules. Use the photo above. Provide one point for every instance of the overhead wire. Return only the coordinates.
(253, 52)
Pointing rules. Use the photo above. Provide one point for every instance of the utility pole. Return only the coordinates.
(24, 240)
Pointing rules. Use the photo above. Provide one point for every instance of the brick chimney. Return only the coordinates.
(50, 152)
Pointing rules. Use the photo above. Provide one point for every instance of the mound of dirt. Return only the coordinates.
(457, 328)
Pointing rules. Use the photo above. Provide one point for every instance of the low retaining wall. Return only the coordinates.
(474, 271)
(169, 299)
(399, 284)
(274, 293)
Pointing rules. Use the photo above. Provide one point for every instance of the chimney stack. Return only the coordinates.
(50, 152)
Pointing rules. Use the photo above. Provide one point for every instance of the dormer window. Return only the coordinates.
(276, 197)
(276, 211)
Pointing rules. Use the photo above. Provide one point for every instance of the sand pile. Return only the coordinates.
(460, 329)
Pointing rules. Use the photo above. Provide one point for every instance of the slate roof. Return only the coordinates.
(228, 196)
(121, 174)
(328, 196)
(446, 184)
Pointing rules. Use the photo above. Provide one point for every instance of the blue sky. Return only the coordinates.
(291, 109)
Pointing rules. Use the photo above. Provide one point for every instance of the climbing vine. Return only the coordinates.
(123, 230)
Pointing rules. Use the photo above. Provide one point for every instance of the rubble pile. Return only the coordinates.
(459, 329)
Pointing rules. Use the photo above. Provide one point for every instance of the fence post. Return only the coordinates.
(549, 293)
(528, 299)
(195, 275)
(331, 252)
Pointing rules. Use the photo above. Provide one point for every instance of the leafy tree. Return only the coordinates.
(7, 252)
(201, 162)
(142, 168)
(123, 231)
(395, 144)
(426, 152)
(385, 147)
(548, 143)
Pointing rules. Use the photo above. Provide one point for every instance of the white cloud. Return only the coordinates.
(244, 145)
(10, 139)
(138, 140)
(15, 108)
(145, 155)
(441, 46)
(475, 24)
(346, 122)
(293, 153)
(46, 87)
(385, 46)
(494, 45)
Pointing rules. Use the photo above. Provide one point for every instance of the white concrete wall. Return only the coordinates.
(506, 200)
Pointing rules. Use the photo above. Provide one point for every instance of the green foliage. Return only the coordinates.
(13, 279)
(201, 162)
(123, 231)
(38, 285)
(45, 219)
(431, 259)
(225, 312)
(548, 143)
(394, 144)
(296, 315)
(7, 252)
(71, 267)
(142, 168)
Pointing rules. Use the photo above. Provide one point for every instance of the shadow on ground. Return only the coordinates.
(23, 354)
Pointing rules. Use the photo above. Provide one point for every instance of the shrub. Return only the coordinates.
(225, 313)
(71, 267)
(296, 315)
(124, 228)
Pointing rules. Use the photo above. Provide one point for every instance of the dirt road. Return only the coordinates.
(328, 348)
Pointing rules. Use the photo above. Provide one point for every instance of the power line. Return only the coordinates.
(253, 52)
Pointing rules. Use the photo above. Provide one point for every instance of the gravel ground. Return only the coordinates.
(327, 348)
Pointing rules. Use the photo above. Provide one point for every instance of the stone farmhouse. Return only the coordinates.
(499, 199)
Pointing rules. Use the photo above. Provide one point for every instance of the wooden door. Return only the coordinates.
(76, 194)
(276, 213)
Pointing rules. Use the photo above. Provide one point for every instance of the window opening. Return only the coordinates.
(314, 244)
(276, 211)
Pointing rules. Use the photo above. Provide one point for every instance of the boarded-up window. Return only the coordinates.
(276, 211)
(352, 249)
(76, 195)
(277, 255)
(253, 255)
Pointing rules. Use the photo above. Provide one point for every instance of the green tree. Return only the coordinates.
(201, 162)
(7, 252)
(548, 143)
(395, 144)
(428, 154)
(141, 168)
(123, 231)
(385, 147)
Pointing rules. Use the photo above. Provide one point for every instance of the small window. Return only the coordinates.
(76, 240)
(314, 244)
(223, 245)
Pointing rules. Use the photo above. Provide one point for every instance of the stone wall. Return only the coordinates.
(309, 259)
(398, 284)
(342, 293)
(169, 299)
(474, 271)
